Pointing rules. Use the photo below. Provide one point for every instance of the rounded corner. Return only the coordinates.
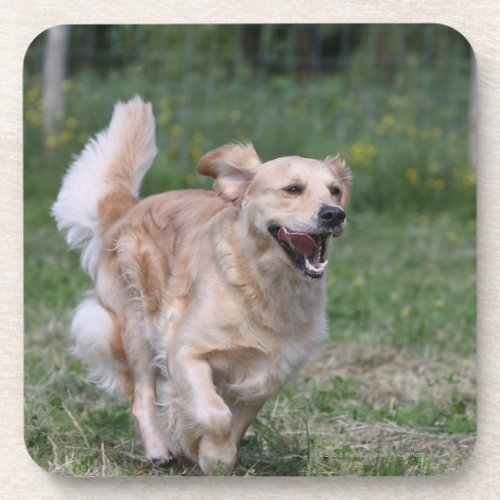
(32, 458)
(466, 462)
(459, 34)
(36, 38)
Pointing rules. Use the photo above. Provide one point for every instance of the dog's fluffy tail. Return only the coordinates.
(103, 182)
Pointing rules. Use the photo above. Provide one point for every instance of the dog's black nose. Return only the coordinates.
(331, 216)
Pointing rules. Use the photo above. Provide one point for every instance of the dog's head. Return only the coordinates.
(292, 202)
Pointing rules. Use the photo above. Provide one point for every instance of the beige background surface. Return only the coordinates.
(478, 21)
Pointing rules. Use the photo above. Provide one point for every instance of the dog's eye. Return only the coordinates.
(294, 189)
(335, 191)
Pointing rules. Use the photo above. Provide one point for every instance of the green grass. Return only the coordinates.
(418, 290)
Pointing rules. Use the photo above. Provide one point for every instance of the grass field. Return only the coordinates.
(392, 392)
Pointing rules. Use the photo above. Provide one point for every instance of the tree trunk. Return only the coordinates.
(54, 66)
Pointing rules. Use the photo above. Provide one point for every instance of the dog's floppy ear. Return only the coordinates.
(233, 166)
(343, 173)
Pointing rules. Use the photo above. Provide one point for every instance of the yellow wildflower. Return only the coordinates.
(363, 153)
(176, 130)
(438, 303)
(413, 176)
(71, 122)
(65, 136)
(437, 184)
(235, 115)
(406, 311)
(388, 120)
(51, 142)
(67, 85)
(468, 180)
(196, 152)
(358, 281)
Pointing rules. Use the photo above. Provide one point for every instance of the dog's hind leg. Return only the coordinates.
(142, 275)
(122, 359)
(159, 447)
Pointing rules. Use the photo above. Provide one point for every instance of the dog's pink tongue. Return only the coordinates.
(301, 242)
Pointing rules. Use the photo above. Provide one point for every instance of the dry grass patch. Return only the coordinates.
(375, 411)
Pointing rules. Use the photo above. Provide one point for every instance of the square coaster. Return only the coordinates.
(387, 387)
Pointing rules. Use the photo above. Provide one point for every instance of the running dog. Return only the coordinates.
(204, 302)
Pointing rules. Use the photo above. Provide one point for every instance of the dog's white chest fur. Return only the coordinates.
(252, 374)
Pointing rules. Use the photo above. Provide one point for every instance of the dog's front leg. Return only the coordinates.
(192, 375)
(243, 415)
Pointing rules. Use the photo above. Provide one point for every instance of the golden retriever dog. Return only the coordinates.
(204, 303)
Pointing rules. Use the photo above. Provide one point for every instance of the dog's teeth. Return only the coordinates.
(316, 268)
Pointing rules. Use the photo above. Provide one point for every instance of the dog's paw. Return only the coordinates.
(163, 457)
(217, 457)
(164, 462)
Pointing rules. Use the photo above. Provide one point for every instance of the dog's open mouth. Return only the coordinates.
(306, 251)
